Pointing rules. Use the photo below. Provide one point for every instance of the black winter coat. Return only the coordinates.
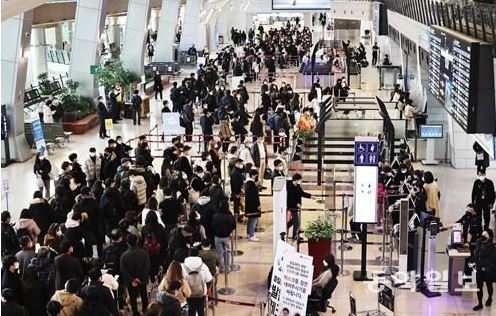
(135, 264)
(104, 295)
(223, 223)
(42, 215)
(295, 193)
(67, 267)
(35, 298)
(252, 199)
(43, 168)
(236, 181)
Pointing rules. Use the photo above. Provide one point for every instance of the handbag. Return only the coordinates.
(193, 196)
(39, 182)
(54, 173)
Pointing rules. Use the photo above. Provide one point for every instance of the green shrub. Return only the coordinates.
(321, 228)
(44, 84)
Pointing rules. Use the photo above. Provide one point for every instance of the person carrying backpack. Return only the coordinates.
(10, 244)
(198, 275)
(154, 242)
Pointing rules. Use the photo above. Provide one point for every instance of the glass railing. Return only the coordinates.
(57, 56)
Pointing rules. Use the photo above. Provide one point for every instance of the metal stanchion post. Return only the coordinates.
(322, 199)
(261, 308)
(226, 290)
(234, 267)
(236, 252)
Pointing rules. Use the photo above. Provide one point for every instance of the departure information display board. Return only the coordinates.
(461, 77)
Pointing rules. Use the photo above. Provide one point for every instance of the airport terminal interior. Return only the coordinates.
(248, 157)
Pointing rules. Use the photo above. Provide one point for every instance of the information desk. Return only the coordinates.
(456, 266)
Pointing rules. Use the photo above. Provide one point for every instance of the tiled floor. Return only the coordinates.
(250, 281)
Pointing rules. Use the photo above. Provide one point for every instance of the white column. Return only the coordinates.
(114, 30)
(88, 28)
(166, 31)
(59, 37)
(16, 32)
(38, 63)
(155, 18)
(193, 31)
(307, 19)
(133, 50)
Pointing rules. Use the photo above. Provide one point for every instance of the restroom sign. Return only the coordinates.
(367, 151)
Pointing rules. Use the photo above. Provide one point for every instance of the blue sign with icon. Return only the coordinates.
(367, 152)
(38, 136)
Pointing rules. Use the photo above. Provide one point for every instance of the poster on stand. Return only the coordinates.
(172, 126)
(291, 281)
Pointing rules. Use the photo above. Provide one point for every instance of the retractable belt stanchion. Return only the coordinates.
(226, 290)
(235, 251)
(234, 267)
(322, 198)
(344, 223)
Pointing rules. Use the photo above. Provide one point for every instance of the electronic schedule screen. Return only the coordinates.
(461, 77)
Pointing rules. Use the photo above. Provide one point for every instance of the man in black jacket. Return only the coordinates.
(66, 265)
(485, 258)
(10, 244)
(77, 172)
(179, 239)
(114, 106)
(223, 224)
(237, 185)
(253, 208)
(104, 294)
(135, 270)
(102, 115)
(483, 197)
(136, 107)
(206, 123)
(295, 193)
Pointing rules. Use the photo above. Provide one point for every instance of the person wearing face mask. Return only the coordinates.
(278, 171)
(485, 263)
(183, 163)
(92, 167)
(77, 172)
(207, 123)
(196, 185)
(236, 183)
(401, 175)
(253, 207)
(42, 168)
(294, 196)
(260, 158)
(144, 157)
(11, 278)
(483, 197)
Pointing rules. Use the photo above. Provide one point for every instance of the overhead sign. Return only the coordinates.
(171, 125)
(38, 134)
(366, 151)
(291, 282)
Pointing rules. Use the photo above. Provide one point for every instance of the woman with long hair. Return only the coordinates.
(53, 237)
(175, 273)
(154, 242)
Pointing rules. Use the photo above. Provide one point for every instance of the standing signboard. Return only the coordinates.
(38, 136)
(291, 281)
(172, 126)
(367, 156)
(279, 209)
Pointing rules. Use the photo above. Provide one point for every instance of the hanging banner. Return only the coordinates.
(291, 281)
(172, 126)
(38, 136)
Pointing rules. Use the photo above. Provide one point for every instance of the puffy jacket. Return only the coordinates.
(138, 185)
(92, 169)
(70, 302)
(31, 227)
(223, 224)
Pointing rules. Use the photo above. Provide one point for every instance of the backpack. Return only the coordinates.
(111, 258)
(272, 122)
(151, 245)
(196, 284)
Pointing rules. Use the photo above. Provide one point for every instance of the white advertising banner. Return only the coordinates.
(291, 281)
(172, 126)
(279, 210)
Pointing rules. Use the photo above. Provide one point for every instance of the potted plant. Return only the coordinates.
(319, 234)
(114, 74)
(44, 84)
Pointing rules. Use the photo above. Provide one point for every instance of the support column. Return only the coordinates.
(133, 50)
(59, 37)
(193, 31)
(15, 42)
(307, 19)
(88, 28)
(166, 31)
(155, 18)
(114, 31)
(38, 63)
